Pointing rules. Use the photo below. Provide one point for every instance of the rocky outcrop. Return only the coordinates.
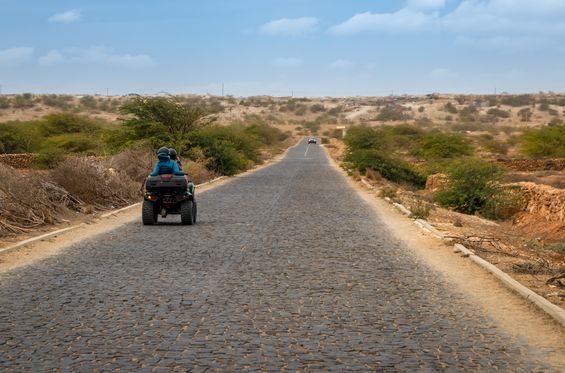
(24, 160)
(555, 164)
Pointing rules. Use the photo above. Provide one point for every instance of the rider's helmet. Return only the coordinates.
(163, 150)
(173, 154)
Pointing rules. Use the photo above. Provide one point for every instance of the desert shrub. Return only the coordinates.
(443, 145)
(49, 157)
(557, 247)
(268, 135)
(450, 108)
(93, 182)
(544, 105)
(17, 138)
(325, 140)
(29, 200)
(72, 143)
(390, 168)
(468, 114)
(389, 192)
(57, 101)
(393, 113)
(420, 210)
(4, 102)
(312, 126)
(544, 142)
(525, 114)
(136, 162)
(335, 111)
(498, 113)
(64, 123)
(493, 146)
(300, 110)
(517, 100)
(555, 122)
(504, 204)
(24, 101)
(229, 149)
(472, 183)
(421, 109)
(88, 102)
(317, 108)
(362, 137)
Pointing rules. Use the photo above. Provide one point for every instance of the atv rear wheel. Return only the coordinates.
(187, 213)
(148, 213)
(194, 211)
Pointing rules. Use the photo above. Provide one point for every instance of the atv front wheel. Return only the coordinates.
(148, 213)
(187, 213)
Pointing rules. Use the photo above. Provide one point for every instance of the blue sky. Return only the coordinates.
(275, 47)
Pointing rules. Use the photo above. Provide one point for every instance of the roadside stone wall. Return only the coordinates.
(555, 164)
(547, 203)
(24, 160)
(436, 182)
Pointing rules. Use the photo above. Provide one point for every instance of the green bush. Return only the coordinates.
(268, 135)
(472, 184)
(364, 138)
(544, 142)
(391, 169)
(49, 158)
(525, 114)
(443, 145)
(61, 123)
(89, 102)
(516, 101)
(498, 113)
(4, 102)
(450, 108)
(393, 113)
(24, 101)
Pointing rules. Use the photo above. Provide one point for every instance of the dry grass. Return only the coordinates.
(95, 183)
(29, 200)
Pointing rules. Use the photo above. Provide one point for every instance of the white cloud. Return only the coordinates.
(425, 4)
(442, 74)
(15, 56)
(66, 17)
(341, 64)
(96, 55)
(519, 16)
(287, 62)
(291, 27)
(53, 57)
(507, 43)
(403, 20)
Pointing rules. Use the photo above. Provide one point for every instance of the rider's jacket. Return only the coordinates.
(166, 166)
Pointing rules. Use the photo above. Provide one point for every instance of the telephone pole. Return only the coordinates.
(222, 89)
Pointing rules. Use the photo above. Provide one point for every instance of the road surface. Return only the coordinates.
(287, 269)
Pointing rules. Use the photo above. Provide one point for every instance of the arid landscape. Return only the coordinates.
(527, 241)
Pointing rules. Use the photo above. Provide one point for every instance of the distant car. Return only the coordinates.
(312, 140)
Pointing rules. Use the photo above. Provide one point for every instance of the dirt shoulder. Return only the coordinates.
(516, 315)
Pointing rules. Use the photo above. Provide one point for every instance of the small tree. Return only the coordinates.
(472, 183)
(443, 145)
(544, 142)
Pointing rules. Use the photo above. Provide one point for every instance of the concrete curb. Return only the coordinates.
(104, 216)
(41, 237)
(556, 312)
(402, 209)
(551, 309)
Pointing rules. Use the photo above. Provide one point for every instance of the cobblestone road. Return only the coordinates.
(286, 270)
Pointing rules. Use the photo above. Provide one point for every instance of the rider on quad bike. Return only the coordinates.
(166, 165)
(168, 191)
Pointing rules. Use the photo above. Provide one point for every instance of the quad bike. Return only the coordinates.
(168, 194)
